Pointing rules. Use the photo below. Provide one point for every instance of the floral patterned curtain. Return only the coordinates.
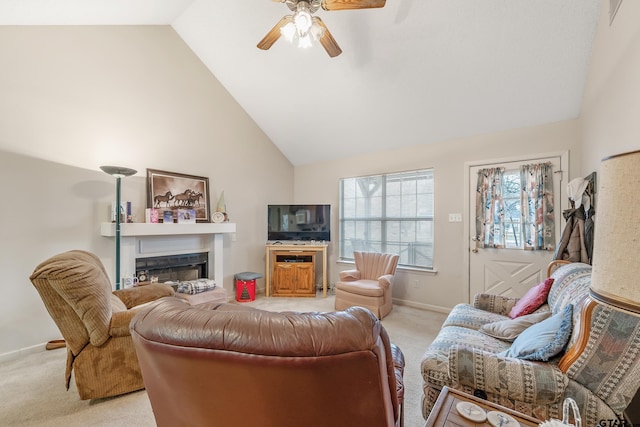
(538, 222)
(489, 208)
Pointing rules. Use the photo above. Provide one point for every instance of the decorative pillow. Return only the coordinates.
(193, 287)
(543, 340)
(533, 299)
(508, 330)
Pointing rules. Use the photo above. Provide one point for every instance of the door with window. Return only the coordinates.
(508, 260)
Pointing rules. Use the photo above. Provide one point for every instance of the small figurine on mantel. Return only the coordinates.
(220, 215)
(125, 212)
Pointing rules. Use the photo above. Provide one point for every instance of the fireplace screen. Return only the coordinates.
(174, 268)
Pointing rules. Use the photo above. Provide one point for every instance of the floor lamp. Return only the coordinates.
(119, 173)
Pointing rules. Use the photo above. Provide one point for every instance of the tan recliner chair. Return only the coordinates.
(370, 285)
(94, 322)
(230, 365)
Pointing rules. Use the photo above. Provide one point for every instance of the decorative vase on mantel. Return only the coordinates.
(221, 209)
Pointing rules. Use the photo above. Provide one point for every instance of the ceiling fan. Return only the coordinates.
(302, 27)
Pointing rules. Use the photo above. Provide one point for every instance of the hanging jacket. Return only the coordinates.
(588, 233)
(572, 246)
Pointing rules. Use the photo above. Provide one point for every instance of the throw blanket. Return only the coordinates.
(193, 287)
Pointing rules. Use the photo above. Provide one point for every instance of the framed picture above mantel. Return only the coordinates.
(171, 191)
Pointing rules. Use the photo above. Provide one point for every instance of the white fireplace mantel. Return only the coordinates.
(147, 229)
(141, 240)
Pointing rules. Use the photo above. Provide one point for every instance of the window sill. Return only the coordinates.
(429, 271)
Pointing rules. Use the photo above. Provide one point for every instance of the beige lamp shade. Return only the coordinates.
(616, 253)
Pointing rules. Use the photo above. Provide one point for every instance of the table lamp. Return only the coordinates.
(616, 262)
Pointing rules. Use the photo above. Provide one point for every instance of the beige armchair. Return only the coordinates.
(94, 322)
(230, 365)
(370, 285)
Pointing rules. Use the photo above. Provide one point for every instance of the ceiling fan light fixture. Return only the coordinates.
(303, 28)
(304, 37)
(302, 20)
(304, 41)
(289, 32)
(317, 31)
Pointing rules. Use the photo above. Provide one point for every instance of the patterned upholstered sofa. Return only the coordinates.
(599, 367)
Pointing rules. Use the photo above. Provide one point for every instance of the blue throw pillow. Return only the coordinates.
(543, 340)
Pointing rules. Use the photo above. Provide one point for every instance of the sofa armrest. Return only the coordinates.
(120, 320)
(515, 379)
(395, 372)
(120, 323)
(132, 297)
(554, 265)
(398, 368)
(494, 303)
(349, 275)
(386, 280)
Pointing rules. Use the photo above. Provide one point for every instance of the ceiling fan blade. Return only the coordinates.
(273, 35)
(351, 4)
(327, 41)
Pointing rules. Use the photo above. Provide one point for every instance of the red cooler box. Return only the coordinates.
(246, 286)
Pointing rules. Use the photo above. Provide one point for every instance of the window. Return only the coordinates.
(507, 230)
(514, 207)
(389, 213)
(512, 212)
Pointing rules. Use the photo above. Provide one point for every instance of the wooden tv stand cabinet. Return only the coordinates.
(291, 270)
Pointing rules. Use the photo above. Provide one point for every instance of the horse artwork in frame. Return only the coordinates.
(173, 191)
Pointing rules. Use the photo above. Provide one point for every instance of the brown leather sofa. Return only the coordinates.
(230, 365)
(94, 321)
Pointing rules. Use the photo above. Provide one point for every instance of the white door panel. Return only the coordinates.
(504, 272)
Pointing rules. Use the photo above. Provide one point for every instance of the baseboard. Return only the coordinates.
(13, 355)
(407, 303)
(429, 307)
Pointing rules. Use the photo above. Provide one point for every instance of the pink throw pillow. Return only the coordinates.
(532, 300)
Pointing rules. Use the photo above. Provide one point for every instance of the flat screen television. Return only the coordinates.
(299, 222)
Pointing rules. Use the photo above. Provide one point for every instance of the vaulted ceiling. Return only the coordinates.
(413, 72)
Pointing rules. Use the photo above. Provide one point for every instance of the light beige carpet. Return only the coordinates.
(33, 393)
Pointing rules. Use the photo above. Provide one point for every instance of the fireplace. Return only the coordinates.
(145, 240)
(174, 268)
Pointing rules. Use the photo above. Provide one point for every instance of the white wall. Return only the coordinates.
(75, 98)
(447, 287)
(611, 106)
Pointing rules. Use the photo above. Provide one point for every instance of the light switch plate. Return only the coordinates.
(455, 217)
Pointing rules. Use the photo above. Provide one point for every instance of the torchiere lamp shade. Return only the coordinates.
(615, 278)
(118, 171)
